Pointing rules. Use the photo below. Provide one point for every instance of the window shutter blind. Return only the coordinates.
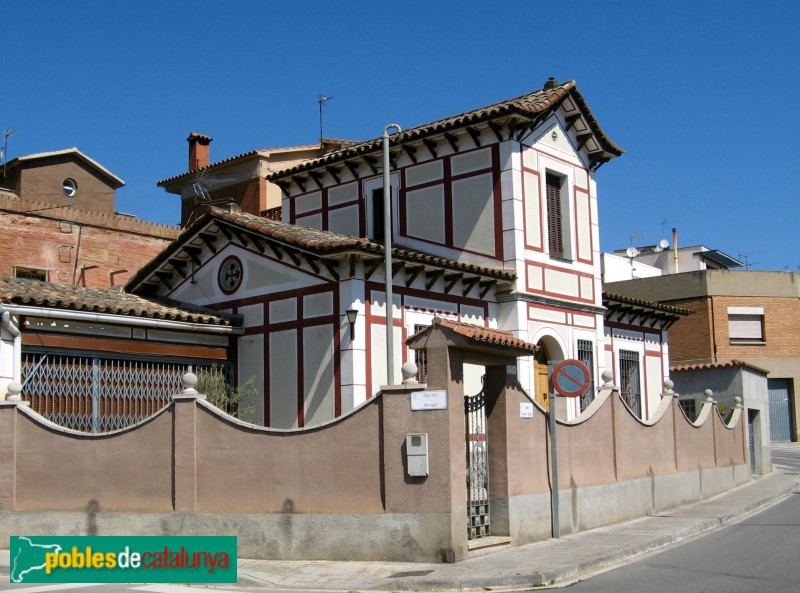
(554, 223)
(746, 327)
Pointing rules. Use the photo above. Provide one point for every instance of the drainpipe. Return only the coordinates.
(387, 247)
(675, 248)
(12, 328)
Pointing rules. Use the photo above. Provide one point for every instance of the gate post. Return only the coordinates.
(8, 446)
(184, 438)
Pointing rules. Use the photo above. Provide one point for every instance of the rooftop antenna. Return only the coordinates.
(322, 100)
(637, 236)
(664, 224)
(6, 134)
(746, 258)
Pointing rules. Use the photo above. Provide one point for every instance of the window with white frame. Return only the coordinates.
(746, 325)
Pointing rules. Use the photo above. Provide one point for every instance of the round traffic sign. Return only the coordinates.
(571, 378)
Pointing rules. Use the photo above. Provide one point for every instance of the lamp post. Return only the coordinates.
(387, 248)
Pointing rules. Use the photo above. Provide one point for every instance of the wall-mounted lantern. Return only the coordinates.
(352, 315)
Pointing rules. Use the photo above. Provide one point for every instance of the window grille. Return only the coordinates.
(555, 228)
(629, 380)
(30, 273)
(586, 356)
(421, 358)
(689, 408)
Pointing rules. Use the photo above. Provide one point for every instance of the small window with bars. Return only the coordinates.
(586, 356)
(30, 273)
(555, 218)
(421, 358)
(630, 388)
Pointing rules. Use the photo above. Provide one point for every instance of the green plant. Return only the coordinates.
(236, 401)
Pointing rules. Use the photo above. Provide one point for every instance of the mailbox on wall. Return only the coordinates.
(417, 454)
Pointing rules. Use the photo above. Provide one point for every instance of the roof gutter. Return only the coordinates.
(148, 322)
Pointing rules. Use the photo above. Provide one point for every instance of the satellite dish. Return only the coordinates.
(632, 252)
(663, 244)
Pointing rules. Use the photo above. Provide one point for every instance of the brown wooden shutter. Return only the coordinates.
(554, 222)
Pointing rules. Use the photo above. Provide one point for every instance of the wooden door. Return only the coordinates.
(541, 380)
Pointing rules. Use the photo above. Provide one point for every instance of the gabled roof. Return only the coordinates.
(519, 114)
(19, 291)
(258, 153)
(116, 181)
(624, 309)
(314, 245)
(475, 333)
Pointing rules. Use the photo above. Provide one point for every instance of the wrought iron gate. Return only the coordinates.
(99, 394)
(630, 390)
(477, 466)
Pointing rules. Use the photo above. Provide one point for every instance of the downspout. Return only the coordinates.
(713, 328)
(77, 255)
(12, 328)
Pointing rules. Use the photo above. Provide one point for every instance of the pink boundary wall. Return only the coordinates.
(341, 491)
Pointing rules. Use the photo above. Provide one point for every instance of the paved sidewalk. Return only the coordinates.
(542, 563)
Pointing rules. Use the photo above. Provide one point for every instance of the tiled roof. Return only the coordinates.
(609, 296)
(317, 242)
(717, 365)
(34, 293)
(264, 152)
(529, 104)
(496, 337)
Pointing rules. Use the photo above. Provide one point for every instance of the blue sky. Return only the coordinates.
(703, 96)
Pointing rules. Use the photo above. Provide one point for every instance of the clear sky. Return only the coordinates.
(704, 97)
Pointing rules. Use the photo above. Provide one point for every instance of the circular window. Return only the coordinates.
(230, 274)
(70, 187)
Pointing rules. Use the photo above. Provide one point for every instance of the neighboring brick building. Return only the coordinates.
(750, 316)
(58, 223)
(240, 179)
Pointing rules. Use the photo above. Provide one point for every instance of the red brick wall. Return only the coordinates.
(43, 182)
(48, 243)
(690, 337)
(781, 321)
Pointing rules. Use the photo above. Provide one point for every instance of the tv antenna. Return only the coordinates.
(204, 183)
(322, 100)
(637, 236)
(746, 258)
(664, 224)
(4, 150)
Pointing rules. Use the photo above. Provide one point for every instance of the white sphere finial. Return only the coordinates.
(409, 371)
(189, 381)
(14, 392)
(607, 377)
(709, 396)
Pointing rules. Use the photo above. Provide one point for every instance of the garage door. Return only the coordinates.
(780, 424)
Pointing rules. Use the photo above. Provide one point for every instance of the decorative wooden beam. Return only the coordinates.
(311, 262)
(242, 238)
(334, 172)
(512, 128)
(294, 257)
(372, 269)
(571, 120)
(453, 140)
(431, 146)
(276, 250)
(333, 268)
(583, 139)
(224, 230)
(411, 275)
(165, 277)
(469, 285)
(179, 265)
(411, 152)
(497, 129)
(432, 277)
(476, 136)
(317, 177)
(194, 253)
(393, 156)
(258, 243)
(524, 129)
(486, 286)
(300, 182)
(209, 240)
(396, 267)
(372, 162)
(284, 185)
(450, 281)
(353, 168)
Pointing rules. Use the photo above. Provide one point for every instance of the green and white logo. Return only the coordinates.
(121, 559)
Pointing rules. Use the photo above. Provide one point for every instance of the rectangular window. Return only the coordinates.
(629, 384)
(746, 324)
(30, 273)
(421, 359)
(555, 226)
(377, 215)
(586, 356)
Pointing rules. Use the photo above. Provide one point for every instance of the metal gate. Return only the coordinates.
(780, 404)
(99, 394)
(477, 466)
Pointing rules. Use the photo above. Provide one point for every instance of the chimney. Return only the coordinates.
(551, 83)
(199, 154)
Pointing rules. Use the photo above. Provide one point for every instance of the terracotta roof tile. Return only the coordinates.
(716, 365)
(34, 293)
(608, 296)
(528, 104)
(497, 337)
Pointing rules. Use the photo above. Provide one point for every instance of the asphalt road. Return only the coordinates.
(761, 554)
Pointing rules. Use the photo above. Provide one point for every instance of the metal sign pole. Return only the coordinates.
(551, 417)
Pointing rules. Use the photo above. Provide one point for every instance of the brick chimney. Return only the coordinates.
(199, 154)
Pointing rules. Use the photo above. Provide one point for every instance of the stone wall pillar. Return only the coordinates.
(184, 426)
(9, 417)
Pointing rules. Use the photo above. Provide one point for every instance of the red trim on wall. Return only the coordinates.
(544, 291)
(528, 246)
(577, 235)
